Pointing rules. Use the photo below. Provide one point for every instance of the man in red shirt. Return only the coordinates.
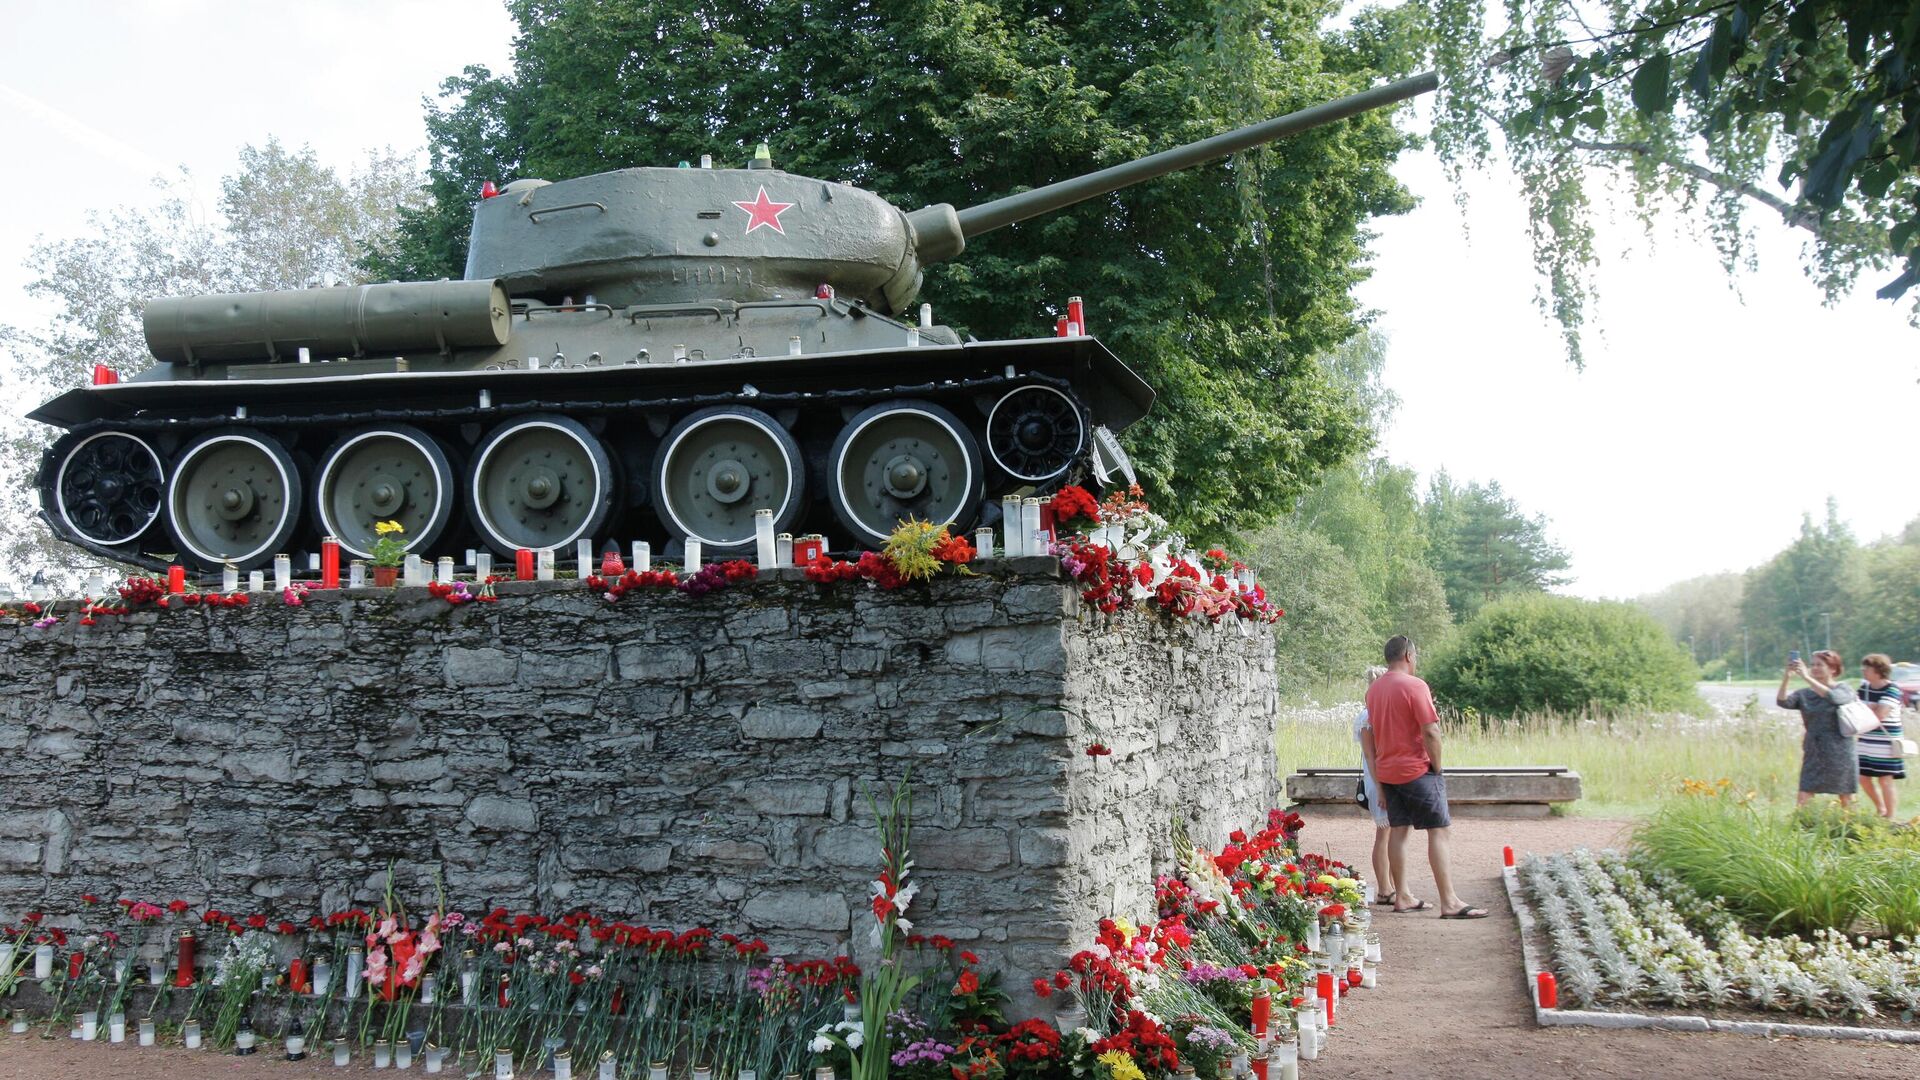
(1402, 740)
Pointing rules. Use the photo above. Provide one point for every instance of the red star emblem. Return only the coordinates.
(764, 211)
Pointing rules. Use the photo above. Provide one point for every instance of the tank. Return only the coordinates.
(648, 353)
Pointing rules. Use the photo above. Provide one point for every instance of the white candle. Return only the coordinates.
(693, 555)
(473, 558)
(466, 987)
(429, 989)
(562, 1066)
(341, 1054)
(356, 574)
(763, 538)
(1010, 517)
(43, 962)
(1309, 1043)
(583, 556)
(322, 977)
(782, 556)
(1038, 543)
(544, 567)
(117, 1028)
(156, 971)
(1369, 975)
(190, 1034)
(606, 1068)
(503, 1064)
(403, 1054)
(89, 1025)
(1283, 1060)
(382, 1054)
(256, 581)
(482, 565)
(443, 570)
(1030, 524)
(296, 1047)
(282, 572)
(146, 1032)
(19, 1025)
(983, 542)
(414, 571)
(435, 1055)
(229, 578)
(243, 1041)
(355, 958)
(642, 556)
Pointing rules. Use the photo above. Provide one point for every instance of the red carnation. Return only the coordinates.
(1043, 988)
(969, 958)
(1098, 750)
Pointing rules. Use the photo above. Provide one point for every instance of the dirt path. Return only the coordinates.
(1452, 1005)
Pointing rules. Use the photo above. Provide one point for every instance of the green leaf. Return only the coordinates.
(1650, 84)
(1719, 49)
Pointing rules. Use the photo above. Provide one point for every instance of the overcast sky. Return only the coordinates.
(1701, 430)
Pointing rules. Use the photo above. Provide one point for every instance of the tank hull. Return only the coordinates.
(631, 411)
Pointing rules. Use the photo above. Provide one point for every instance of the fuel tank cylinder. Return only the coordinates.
(396, 317)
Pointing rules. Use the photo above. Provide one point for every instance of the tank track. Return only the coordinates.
(637, 510)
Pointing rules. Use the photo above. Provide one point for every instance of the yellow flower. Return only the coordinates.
(388, 528)
(1127, 929)
(1120, 1066)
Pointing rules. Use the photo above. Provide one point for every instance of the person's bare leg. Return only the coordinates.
(1890, 796)
(1383, 878)
(1440, 857)
(1871, 785)
(1397, 865)
(1803, 798)
(1846, 802)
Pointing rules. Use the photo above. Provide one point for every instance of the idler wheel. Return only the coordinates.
(234, 497)
(717, 466)
(903, 459)
(108, 486)
(542, 481)
(1035, 433)
(390, 473)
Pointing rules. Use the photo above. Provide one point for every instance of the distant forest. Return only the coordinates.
(1825, 590)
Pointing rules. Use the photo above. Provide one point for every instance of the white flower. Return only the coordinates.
(820, 1044)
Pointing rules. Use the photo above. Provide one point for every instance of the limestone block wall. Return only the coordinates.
(678, 761)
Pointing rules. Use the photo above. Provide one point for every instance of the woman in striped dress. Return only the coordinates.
(1881, 762)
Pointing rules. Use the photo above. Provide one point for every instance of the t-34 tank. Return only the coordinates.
(649, 353)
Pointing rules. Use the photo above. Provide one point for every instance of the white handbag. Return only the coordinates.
(1857, 718)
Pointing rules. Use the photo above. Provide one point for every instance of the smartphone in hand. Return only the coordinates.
(1793, 656)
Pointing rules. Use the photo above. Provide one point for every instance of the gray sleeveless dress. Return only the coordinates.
(1829, 761)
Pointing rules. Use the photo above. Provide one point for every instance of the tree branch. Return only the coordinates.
(1792, 215)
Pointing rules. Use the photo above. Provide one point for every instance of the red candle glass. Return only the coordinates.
(1077, 313)
(1506, 855)
(1548, 989)
(1353, 978)
(176, 579)
(1262, 1013)
(523, 564)
(1324, 985)
(806, 549)
(297, 976)
(183, 974)
(329, 563)
(611, 564)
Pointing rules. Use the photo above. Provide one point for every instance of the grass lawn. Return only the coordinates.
(1627, 767)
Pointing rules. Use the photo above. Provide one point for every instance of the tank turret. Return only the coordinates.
(651, 352)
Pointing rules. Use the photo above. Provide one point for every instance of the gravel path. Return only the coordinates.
(1452, 1001)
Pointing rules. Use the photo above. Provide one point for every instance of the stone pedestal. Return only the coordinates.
(668, 759)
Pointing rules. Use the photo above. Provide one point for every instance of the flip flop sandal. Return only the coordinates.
(1420, 906)
(1385, 901)
(1468, 912)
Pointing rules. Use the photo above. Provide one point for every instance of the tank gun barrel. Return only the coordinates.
(987, 216)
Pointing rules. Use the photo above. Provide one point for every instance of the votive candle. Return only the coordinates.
(190, 1034)
(282, 572)
(482, 565)
(1030, 524)
(783, 551)
(693, 556)
(342, 1054)
(545, 564)
(176, 579)
(983, 542)
(330, 562)
(296, 1047)
(89, 1025)
(1308, 1028)
(583, 556)
(443, 570)
(229, 578)
(322, 976)
(503, 1064)
(764, 551)
(19, 1025)
(414, 571)
(243, 1041)
(1010, 518)
(562, 1066)
(43, 962)
(523, 564)
(256, 581)
(382, 1054)
(117, 1027)
(435, 1056)
(642, 556)
(402, 1054)
(606, 1067)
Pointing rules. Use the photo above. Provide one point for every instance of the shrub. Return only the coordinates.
(1540, 653)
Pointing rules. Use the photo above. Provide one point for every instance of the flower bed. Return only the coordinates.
(1237, 933)
(1621, 936)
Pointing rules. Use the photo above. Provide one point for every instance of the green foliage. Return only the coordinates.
(1221, 285)
(1484, 547)
(1705, 610)
(1327, 637)
(1789, 599)
(1816, 868)
(1542, 653)
(1805, 108)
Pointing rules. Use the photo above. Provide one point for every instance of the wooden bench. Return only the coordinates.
(1472, 790)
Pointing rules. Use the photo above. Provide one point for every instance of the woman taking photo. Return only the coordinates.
(1881, 762)
(1829, 764)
